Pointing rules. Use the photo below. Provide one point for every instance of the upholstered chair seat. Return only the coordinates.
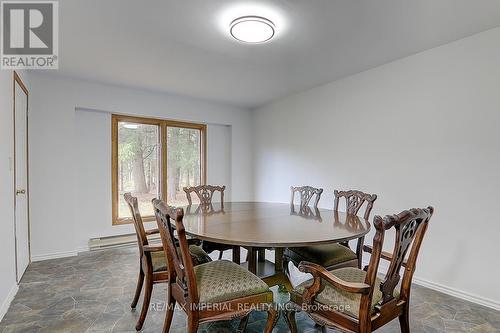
(325, 255)
(197, 254)
(222, 280)
(344, 301)
(159, 261)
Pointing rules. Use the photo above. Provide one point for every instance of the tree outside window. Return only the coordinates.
(154, 159)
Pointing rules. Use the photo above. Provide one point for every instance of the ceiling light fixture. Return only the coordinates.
(252, 29)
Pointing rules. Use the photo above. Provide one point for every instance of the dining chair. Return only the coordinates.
(306, 194)
(152, 260)
(205, 194)
(335, 255)
(354, 300)
(214, 291)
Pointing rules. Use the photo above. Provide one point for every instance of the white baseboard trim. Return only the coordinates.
(56, 255)
(66, 254)
(490, 303)
(116, 241)
(6, 303)
(82, 249)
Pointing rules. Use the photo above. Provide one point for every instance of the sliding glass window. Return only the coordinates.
(154, 158)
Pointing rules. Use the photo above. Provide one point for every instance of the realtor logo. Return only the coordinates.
(29, 35)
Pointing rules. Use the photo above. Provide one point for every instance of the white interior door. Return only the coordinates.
(22, 232)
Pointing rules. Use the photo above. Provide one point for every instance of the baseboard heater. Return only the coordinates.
(117, 241)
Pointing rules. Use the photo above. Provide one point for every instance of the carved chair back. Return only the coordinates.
(410, 227)
(180, 265)
(133, 205)
(354, 201)
(306, 194)
(205, 193)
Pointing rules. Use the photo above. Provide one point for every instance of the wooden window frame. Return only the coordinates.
(162, 125)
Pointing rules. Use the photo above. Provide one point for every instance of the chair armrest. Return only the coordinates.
(384, 255)
(319, 272)
(152, 248)
(152, 232)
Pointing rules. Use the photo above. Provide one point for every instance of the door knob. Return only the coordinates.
(20, 192)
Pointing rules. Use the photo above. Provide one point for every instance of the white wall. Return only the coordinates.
(93, 166)
(8, 285)
(420, 131)
(219, 168)
(66, 186)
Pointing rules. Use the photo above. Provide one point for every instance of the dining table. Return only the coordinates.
(257, 226)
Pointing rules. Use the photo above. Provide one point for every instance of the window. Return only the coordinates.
(154, 159)
(183, 163)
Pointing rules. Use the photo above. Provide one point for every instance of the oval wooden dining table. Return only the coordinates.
(260, 225)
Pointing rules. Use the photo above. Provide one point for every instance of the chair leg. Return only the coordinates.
(138, 289)
(272, 317)
(147, 299)
(290, 320)
(365, 326)
(169, 311)
(404, 321)
(192, 325)
(359, 251)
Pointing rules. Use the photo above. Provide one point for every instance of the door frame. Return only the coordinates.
(17, 80)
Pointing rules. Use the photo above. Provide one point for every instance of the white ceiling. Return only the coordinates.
(182, 47)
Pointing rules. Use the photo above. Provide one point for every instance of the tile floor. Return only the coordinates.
(92, 293)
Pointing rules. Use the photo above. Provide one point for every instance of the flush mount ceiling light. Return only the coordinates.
(252, 29)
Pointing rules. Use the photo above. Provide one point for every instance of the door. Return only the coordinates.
(22, 229)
